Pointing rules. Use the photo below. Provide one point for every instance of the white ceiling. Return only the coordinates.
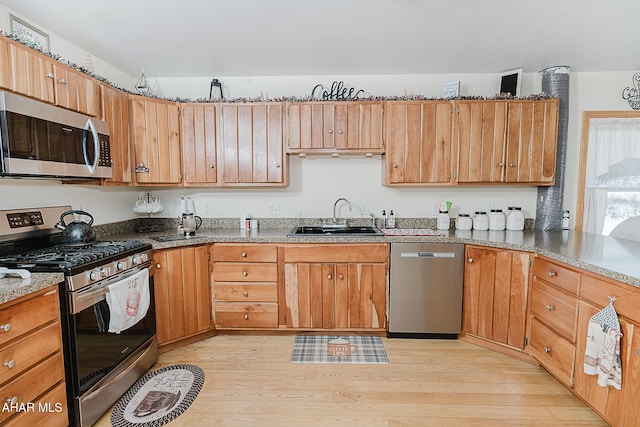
(197, 38)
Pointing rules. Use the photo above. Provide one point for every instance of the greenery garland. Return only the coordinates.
(26, 41)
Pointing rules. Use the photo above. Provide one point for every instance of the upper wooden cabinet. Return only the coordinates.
(330, 127)
(115, 111)
(418, 137)
(250, 142)
(199, 161)
(507, 141)
(155, 138)
(38, 76)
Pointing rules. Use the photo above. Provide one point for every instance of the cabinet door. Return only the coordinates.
(358, 126)
(32, 74)
(88, 93)
(182, 293)
(5, 65)
(199, 143)
(481, 128)
(418, 138)
(115, 111)
(303, 294)
(66, 87)
(531, 141)
(495, 295)
(250, 139)
(156, 141)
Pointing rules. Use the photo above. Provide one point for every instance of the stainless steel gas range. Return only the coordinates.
(100, 365)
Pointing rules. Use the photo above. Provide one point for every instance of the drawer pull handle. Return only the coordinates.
(328, 276)
(547, 349)
(243, 254)
(549, 307)
(244, 273)
(246, 317)
(10, 364)
(552, 274)
(245, 294)
(6, 327)
(12, 400)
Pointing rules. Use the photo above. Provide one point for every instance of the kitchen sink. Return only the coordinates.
(315, 230)
(174, 237)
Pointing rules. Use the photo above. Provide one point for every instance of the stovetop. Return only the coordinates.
(62, 257)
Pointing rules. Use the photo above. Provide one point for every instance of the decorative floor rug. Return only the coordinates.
(159, 397)
(338, 349)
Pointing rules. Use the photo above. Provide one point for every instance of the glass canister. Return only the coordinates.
(496, 220)
(481, 221)
(515, 219)
(464, 222)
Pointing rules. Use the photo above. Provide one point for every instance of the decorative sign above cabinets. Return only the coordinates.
(632, 94)
(337, 92)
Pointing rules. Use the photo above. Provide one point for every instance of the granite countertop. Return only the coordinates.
(15, 287)
(618, 259)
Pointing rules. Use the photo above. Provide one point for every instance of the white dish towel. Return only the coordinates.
(602, 352)
(128, 301)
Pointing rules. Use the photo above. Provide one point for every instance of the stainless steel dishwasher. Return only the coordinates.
(425, 290)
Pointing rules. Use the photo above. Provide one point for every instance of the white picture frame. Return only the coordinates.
(21, 28)
(510, 82)
(451, 89)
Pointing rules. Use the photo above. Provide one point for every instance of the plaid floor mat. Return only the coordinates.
(338, 349)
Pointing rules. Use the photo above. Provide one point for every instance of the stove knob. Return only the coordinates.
(122, 265)
(105, 271)
(94, 275)
(136, 260)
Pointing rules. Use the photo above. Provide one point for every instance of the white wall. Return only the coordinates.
(317, 182)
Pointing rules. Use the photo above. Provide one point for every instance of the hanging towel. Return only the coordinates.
(602, 352)
(128, 301)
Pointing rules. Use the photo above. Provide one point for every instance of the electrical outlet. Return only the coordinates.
(207, 207)
(364, 208)
(274, 209)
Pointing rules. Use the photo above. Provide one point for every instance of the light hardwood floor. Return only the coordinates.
(250, 382)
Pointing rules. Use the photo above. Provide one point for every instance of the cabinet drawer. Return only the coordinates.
(555, 308)
(369, 253)
(238, 315)
(50, 411)
(555, 353)
(224, 291)
(241, 272)
(627, 297)
(244, 253)
(27, 387)
(556, 274)
(27, 351)
(28, 315)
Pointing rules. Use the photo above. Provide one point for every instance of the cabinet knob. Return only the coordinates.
(395, 166)
(49, 75)
(501, 164)
(638, 352)
(549, 307)
(513, 165)
(244, 273)
(243, 254)
(552, 274)
(62, 81)
(158, 266)
(10, 364)
(245, 294)
(547, 349)
(340, 276)
(276, 165)
(329, 277)
(469, 260)
(246, 317)
(6, 327)
(330, 130)
(212, 166)
(340, 131)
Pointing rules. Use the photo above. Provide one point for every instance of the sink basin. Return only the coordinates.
(174, 237)
(314, 230)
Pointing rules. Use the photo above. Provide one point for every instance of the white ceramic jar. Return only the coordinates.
(496, 220)
(515, 219)
(481, 221)
(443, 222)
(464, 222)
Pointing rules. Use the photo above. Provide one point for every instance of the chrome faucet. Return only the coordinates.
(335, 205)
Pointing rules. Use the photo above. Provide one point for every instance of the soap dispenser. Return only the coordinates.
(391, 222)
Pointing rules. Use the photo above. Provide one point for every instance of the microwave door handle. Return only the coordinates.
(90, 127)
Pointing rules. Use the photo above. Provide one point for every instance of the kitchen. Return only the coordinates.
(310, 177)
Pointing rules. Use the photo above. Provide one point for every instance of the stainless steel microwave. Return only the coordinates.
(41, 140)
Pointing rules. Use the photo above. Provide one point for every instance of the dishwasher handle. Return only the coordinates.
(427, 255)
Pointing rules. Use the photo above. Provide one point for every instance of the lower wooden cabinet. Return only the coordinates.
(32, 371)
(335, 286)
(181, 284)
(496, 284)
(245, 285)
